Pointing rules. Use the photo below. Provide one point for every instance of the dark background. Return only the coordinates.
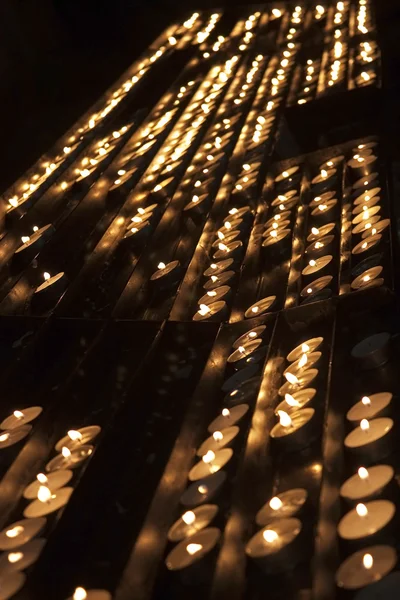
(58, 56)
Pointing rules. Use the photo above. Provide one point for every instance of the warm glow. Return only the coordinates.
(361, 510)
(226, 412)
(275, 503)
(65, 452)
(18, 414)
(193, 548)
(270, 536)
(303, 361)
(291, 401)
(202, 489)
(312, 263)
(75, 436)
(44, 494)
(4, 437)
(363, 473)
(15, 531)
(46, 276)
(14, 557)
(315, 231)
(204, 310)
(161, 265)
(368, 561)
(365, 400)
(292, 379)
(79, 594)
(241, 349)
(276, 12)
(218, 436)
(41, 477)
(189, 517)
(208, 457)
(284, 418)
(364, 424)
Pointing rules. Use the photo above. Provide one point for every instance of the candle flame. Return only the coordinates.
(75, 436)
(292, 379)
(79, 594)
(275, 503)
(366, 401)
(41, 477)
(312, 263)
(364, 424)
(208, 457)
(315, 231)
(218, 436)
(368, 561)
(193, 548)
(25, 239)
(14, 557)
(15, 531)
(273, 233)
(242, 349)
(361, 510)
(270, 536)
(65, 452)
(285, 174)
(18, 414)
(202, 489)
(46, 276)
(291, 401)
(363, 473)
(255, 309)
(223, 247)
(161, 265)
(226, 412)
(305, 348)
(324, 173)
(189, 517)
(284, 418)
(204, 310)
(44, 494)
(303, 361)
(4, 437)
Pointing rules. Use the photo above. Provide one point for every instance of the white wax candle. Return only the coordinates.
(274, 236)
(303, 380)
(203, 490)
(365, 567)
(164, 270)
(40, 233)
(321, 198)
(76, 437)
(365, 440)
(228, 417)
(317, 233)
(273, 538)
(367, 244)
(286, 174)
(57, 500)
(364, 182)
(21, 532)
(298, 419)
(365, 279)
(325, 175)
(13, 436)
(369, 407)
(323, 208)
(53, 481)
(218, 440)
(69, 459)
(248, 336)
(296, 400)
(377, 227)
(284, 505)
(49, 282)
(232, 248)
(276, 225)
(367, 483)
(192, 549)
(367, 195)
(244, 351)
(215, 295)
(207, 311)
(211, 463)
(284, 198)
(365, 215)
(366, 205)
(305, 347)
(218, 267)
(21, 417)
(306, 360)
(22, 558)
(366, 225)
(358, 524)
(192, 521)
(315, 265)
(219, 280)
(260, 307)
(316, 286)
(318, 246)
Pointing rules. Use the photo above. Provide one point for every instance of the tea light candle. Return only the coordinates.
(366, 520)
(324, 180)
(243, 352)
(193, 549)
(52, 286)
(211, 463)
(220, 293)
(260, 307)
(249, 336)
(366, 225)
(366, 278)
(77, 437)
(228, 417)
(53, 481)
(22, 558)
(218, 267)
(69, 459)
(366, 205)
(197, 204)
(306, 347)
(226, 238)
(332, 162)
(377, 227)
(306, 360)
(276, 547)
(370, 407)
(166, 274)
(316, 286)
(365, 567)
(284, 505)
(21, 532)
(366, 196)
(366, 181)
(21, 417)
(216, 281)
(162, 190)
(373, 351)
(371, 441)
(365, 215)
(362, 165)
(47, 502)
(320, 245)
(33, 243)
(287, 174)
(214, 311)
(294, 431)
(13, 436)
(218, 440)
(285, 198)
(320, 232)
(322, 198)
(276, 226)
(317, 264)
(324, 208)
(367, 244)
(367, 483)
(192, 521)
(203, 490)
(297, 400)
(81, 593)
(278, 219)
(11, 583)
(296, 382)
(233, 249)
(274, 236)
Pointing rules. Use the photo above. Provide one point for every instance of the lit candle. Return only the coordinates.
(220, 293)
(366, 225)
(192, 521)
(367, 244)
(166, 275)
(228, 417)
(312, 289)
(367, 484)
(366, 196)
(324, 180)
(367, 520)
(137, 234)
(13, 436)
(203, 490)
(47, 502)
(69, 459)
(226, 238)
(276, 547)
(211, 462)
(287, 198)
(213, 311)
(366, 181)
(260, 307)
(366, 567)
(287, 175)
(232, 249)
(293, 402)
(322, 198)
(33, 243)
(192, 550)
(377, 227)
(295, 383)
(284, 505)
(368, 278)
(249, 336)
(371, 441)
(21, 532)
(76, 438)
(324, 210)
(317, 233)
(366, 215)
(370, 407)
(305, 347)
(216, 281)
(319, 246)
(218, 267)
(362, 165)
(52, 287)
(81, 593)
(239, 357)
(218, 440)
(294, 431)
(21, 558)
(21, 417)
(373, 351)
(53, 481)
(274, 236)
(317, 264)
(162, 190)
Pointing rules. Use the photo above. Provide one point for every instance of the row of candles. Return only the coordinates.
(46, 169)
(47, 494)
(368, 526)
(367, 52)
(195, 540)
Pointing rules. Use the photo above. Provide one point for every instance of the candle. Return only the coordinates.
(13, 436)
(21, 532)
(47, 502)
(215, 311)
(294, 431)
(324, 208)
(316, 286)
(366, 520)
(218, 440)
(287, 198)
(162, 190)
(365, 567)
(237, 358)
(322, 198)
(373, 351)
(124, 175)
(193, 549)
(219, 293)
(367, 483)
(210, 463)
(304, 348)
(192, 521)
(284, 505)
(324, 180)
(233, 249)
(362, 165)
(260, 307)
(296, 382)
(366, 195)
(203, 490)
(21, 417)
(81, 593)
(11, 583)
(274, 236)
(226, 238)
(293, 402)
(277, 546)
(166, 274)
(377, 227)
(320, 232)
(276, 226)
(137, 235)
(22, 558)
(278, 219)
(53, 481)
(287, 174)
(32, 244)
(228, 417)
(76, 438)
(366, 181)
(367, 278)
(306, 360)
(365, 215)
(317, 264)
(370, 407)
(245, 392)
(371, 441)
(219, 267)
(216, 281)
(366, 244)
(366, 205)
(320, 245)
(366, 225)
(69, 459)
(53, 286)
(197, 204)
(332, 162)
(248, 336)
